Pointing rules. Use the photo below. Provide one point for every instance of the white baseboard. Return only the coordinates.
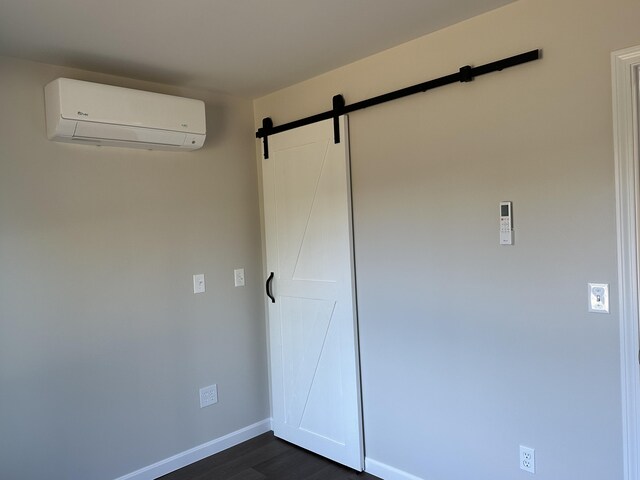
(194, 454)
(386, 472)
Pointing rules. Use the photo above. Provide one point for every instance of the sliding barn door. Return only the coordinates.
(315, 377)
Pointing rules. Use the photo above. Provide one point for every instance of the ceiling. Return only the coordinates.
(242, 47)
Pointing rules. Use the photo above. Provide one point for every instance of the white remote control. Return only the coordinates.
(506, 224)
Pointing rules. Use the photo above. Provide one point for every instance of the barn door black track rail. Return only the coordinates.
(465, 74)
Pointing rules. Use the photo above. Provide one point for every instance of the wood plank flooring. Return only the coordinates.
(266, 458)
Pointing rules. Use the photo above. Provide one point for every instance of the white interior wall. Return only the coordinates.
(470, 349)
(103, 345)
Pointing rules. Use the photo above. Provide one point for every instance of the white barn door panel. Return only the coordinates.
(315, 377)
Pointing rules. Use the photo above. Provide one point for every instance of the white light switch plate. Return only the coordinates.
(238, 277)
(198, 283)
(599, 297)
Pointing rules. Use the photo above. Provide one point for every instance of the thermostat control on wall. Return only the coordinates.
(506, 224)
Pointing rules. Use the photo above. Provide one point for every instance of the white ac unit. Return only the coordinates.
(91, 113)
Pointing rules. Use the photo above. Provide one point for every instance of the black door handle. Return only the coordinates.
(268, 287)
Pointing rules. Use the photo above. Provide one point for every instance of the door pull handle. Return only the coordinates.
(268, 287)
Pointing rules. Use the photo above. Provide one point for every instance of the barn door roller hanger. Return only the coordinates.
(465, 74)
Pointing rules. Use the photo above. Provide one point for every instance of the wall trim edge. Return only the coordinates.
(624, 65)
(199, 452)
(387, 472)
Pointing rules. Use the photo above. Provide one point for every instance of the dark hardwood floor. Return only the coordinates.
(266, 458)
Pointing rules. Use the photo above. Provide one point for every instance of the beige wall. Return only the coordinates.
(103, 345)
(470, 349)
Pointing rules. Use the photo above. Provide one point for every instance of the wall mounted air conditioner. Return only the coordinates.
(91, 113)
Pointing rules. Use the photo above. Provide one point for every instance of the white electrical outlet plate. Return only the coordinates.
(238, 277)
(598, 297)
(198, 283)
(527, 459)
(208, 395)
